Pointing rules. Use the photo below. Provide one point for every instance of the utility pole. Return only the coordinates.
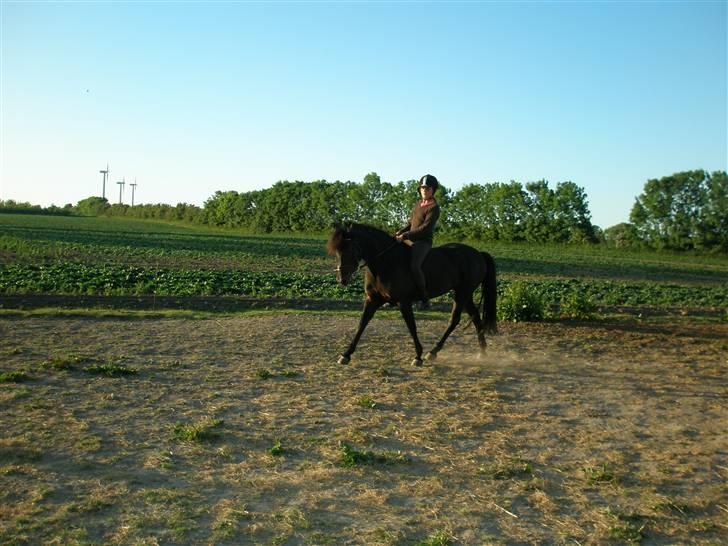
(133, 187)
(121, 188)
(103, 187)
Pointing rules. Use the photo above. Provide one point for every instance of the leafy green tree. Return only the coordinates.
(508, 212)
(472, 212)
(510, 204)
(714, 215)
(228, 209)
(402, 198)
(337, 204)
(572, 216)
(370, 201)
(543, 221)
(685, 210)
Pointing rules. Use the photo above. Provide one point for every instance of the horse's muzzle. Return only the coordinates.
(344, 277)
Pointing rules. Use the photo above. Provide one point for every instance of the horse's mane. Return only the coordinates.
(337, 237)
(340, 234)
(370, 231)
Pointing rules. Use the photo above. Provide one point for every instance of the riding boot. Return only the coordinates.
(425, 301)
(421, 288)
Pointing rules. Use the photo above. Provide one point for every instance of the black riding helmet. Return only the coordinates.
(429, 181)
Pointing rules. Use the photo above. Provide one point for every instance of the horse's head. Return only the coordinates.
(348, 253)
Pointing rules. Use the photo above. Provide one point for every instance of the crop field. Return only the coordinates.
(165, 384)
(112, 256)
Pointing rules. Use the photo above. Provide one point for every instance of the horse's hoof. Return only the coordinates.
(431, 356)
(417, 361)
(343, 360)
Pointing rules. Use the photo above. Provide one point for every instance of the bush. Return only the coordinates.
(13, 207)
(521, 303)
(577, 306)
(623, 235)
(92, 206)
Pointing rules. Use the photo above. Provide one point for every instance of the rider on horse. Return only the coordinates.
(419, 231)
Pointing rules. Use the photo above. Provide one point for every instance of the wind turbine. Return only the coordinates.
(133, 187)
(121, 187)
(103, 187)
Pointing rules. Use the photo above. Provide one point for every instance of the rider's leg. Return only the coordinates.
(419, 252)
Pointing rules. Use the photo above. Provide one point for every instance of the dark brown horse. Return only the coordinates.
(387, 279)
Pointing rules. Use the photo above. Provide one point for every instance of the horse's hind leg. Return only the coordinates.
(457, 311)
(472, 310)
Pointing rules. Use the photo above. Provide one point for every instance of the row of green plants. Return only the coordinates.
(64, 277)
(42, 239)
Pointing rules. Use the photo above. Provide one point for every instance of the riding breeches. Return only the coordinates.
(419, 252)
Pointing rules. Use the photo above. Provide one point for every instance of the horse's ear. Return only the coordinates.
(348, 225)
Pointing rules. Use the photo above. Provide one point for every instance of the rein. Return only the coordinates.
(381, 253)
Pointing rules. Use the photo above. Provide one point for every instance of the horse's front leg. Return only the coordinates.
(409, 319)
(370, 307)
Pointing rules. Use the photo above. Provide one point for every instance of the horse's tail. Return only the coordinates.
(489, 295)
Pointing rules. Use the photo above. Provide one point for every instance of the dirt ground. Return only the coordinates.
(243, 430)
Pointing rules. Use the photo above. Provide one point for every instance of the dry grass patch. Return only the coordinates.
(598, 434)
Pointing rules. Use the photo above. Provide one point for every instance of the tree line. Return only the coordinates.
(683, 211)
(499, 211)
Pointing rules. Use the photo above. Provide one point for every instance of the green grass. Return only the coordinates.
(13, 377)
(202, 431)
(110, 369)
(277, 450)
(627, 527)
(440, 538)
(350, 457)
(63, 362)
(506, 470)
(599, 474)
(366, 401)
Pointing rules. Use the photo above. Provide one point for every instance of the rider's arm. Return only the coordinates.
(426, 228)
(406, 228)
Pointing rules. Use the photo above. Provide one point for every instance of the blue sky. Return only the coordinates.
(191, 98)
